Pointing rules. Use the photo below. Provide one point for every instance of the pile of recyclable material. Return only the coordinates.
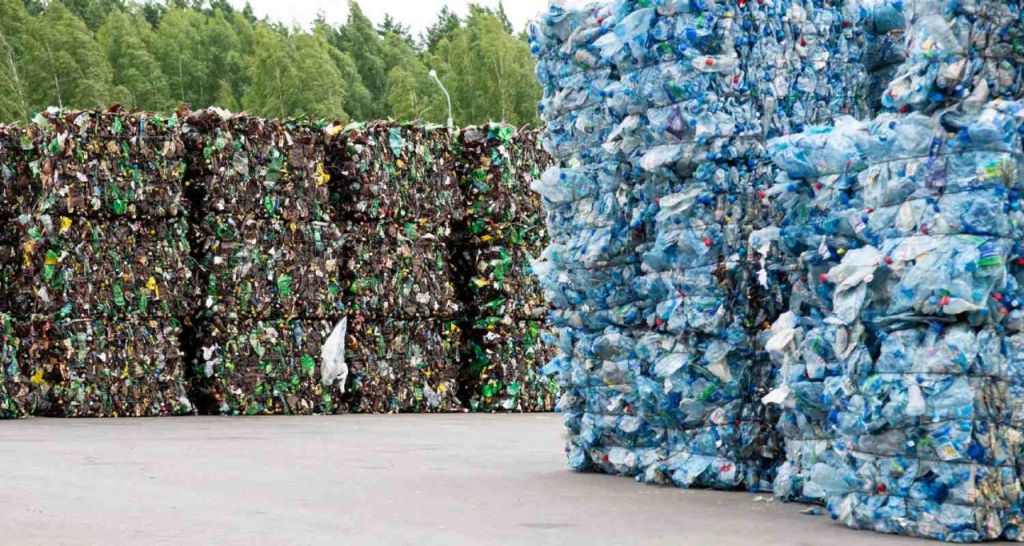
(113, 368)
(265, 366)
(387, 172)
(403, 366)
(94, 257)
(269, 257)
(18, 192)
(263, 267)
(243, 166)
(898, 373)
(503, 367)
(811, 198)
(18, 394)
(75, 266)
(398, 198)
(503, 232)
(925, 319)
(504, 226)
(884, 52)
(105, 165)
(495, 167)
(394, 271)
(956, 52)
(658, 114)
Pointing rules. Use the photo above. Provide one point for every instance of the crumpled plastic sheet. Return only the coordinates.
(97, 367)
(959, 51)
(262, 367)
(105, 165)
(74, 266)
(909, 366)
(262, 268)
(398, 366)
(241, 165)
(503, 367)
(394, 271)
(389, 171)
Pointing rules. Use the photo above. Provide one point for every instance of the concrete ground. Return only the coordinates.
(447, 480)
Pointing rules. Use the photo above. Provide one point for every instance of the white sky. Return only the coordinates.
(418, 14)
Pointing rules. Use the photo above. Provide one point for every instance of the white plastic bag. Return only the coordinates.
(332, 356)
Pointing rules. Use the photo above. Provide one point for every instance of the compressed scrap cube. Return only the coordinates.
(262, 268)
(504, 363)
(402, 173)
(400, 366)
(106, 164)
(243, 165)
(262, 367)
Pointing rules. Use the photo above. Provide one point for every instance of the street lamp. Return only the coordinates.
(433, 74)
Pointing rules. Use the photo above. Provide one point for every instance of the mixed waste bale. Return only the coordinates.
(504, 232)
(252, 366)
(502, 370)
(94, 256)
(19, 394)
(269, 256)
(399, 200)
(403, 366)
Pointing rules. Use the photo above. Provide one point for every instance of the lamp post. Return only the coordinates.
(433, 74)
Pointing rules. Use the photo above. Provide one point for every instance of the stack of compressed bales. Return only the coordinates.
(818, 169)
(924, 331)
(658, 114)
(102, 277)
(503, 231)
(587, 273)
(396, 196)
(905, 230)
(269, 264)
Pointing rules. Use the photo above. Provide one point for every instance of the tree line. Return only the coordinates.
(159, 55)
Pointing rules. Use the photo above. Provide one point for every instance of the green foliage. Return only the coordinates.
(139, 82)
(159, 54)
(64, 64)
(15, 41)
(447, 23)
(489, 72)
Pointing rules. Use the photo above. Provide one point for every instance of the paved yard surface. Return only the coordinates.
(447, 480)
